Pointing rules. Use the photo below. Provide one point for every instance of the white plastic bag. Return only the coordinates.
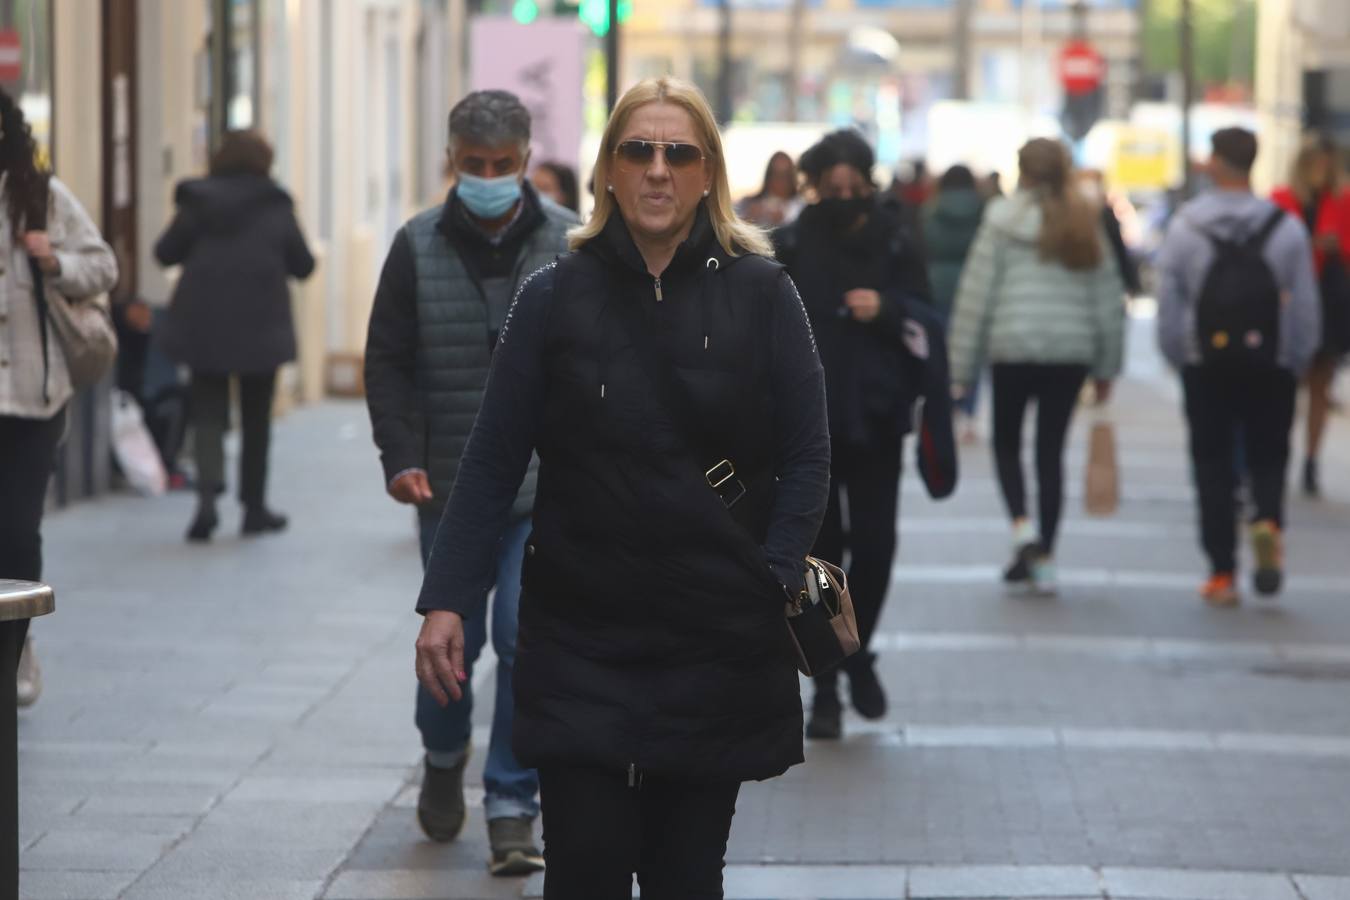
(134, 448)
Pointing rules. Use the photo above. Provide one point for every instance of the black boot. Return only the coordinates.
(261, 520)
(1312, 484)
(864, 688)
(826, 722)
(205, 523)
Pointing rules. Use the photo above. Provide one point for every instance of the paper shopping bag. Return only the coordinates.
(1101, 493)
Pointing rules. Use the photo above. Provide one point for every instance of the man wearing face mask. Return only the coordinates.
(865, 287)
(442, 302)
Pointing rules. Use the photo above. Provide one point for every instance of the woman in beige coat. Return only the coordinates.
(34, 382)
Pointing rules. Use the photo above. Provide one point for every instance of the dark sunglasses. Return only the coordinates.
(641, 153)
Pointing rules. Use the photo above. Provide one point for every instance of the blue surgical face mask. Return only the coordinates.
(489, 198)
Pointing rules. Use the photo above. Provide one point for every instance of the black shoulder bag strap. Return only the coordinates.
(1258, 240)
(718, 469)
(44, 314)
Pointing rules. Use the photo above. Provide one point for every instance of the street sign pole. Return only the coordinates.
(612, 57)
(1187, 95)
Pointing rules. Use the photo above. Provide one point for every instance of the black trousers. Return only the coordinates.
(598, 832)
(211, 419)
(27, 456)
(867, 480)
(1218, 402)
(1055, 389)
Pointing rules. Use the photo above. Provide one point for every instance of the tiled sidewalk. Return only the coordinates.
(235, 721)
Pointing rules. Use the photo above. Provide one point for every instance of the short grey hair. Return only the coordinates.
(490, 118)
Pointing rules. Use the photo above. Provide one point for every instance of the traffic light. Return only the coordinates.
(525, 11)
(595, 14)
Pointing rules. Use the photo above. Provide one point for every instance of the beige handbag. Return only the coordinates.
(821, 621)
(83, 328)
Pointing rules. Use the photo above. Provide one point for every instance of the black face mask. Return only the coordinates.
(841, 215)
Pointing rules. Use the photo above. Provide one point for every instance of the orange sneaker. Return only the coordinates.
(1220, 590)
(1268, 547)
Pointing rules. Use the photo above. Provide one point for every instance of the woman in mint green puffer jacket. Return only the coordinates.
(1042, 302)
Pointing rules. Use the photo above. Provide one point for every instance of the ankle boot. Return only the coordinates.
(1312, 484)
(826, 722)
(204, 524)
(259, 519)
(864, 688)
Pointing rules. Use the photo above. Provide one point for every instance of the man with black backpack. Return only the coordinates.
(1239, 317)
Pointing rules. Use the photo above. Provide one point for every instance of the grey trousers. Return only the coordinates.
(211, 419)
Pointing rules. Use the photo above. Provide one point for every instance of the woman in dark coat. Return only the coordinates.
(949, 228)
(864, 284)
(236, 236)
(654, 673)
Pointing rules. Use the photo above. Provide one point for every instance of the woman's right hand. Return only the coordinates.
(1102, 389)
(440, 656)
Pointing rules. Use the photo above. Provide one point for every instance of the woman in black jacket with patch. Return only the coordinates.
(865, 287)
(237, 239)
(654, 673)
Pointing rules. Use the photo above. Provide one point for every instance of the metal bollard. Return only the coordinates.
(19, 602)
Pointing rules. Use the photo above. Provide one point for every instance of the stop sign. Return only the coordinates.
(11, 56)
(1081, 68)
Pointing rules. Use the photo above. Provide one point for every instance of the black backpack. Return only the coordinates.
(1237, 318)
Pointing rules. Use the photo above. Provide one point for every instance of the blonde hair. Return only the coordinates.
(1309, 150)
(1070, 223)
(735, 236)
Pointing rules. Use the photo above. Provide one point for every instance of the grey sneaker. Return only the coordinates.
(513, 849)
(440, 806)
(1044, 577)
(28, 680)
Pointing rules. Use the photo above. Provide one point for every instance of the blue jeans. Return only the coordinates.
(511, 790)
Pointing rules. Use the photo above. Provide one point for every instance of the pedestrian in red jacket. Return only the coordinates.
(1315, 194)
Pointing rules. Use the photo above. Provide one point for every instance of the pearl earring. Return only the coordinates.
(705, 193)
(611, 188)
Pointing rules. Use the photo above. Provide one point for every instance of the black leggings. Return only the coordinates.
(598, 832)
(27, 456)
(1055, 389)
(870, 479)
(210, 421)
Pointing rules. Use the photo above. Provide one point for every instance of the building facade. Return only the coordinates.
(128, 97)
(879, 64)
(1302, 79)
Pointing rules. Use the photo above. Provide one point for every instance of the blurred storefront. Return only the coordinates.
(879, 64)
(1302, 78)
(128, 97)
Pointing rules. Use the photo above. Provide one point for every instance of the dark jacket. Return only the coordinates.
(238, 241)
(871, 393)
(950, 224)
(432, 328)
(1125, 261)
(652, 627)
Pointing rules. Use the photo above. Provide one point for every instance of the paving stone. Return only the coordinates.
(1321, 887)
(241, 888)
(1003, 881)
(45, 885)
(1177, 884)
(421, 884)
(94, 851)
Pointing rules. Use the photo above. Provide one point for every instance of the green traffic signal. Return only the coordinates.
(594, 14)
(525, 11)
